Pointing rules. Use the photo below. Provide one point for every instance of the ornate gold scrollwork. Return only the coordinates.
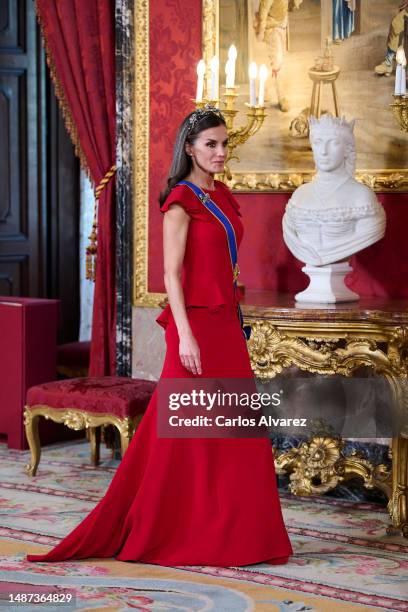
(141, 149)
(74, 419)
(400, 110)
(319, 464)
(210, 31)
(271, 351)
(382, 180)
(314, 466)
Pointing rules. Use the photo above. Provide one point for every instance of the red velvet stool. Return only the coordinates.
(82, 403)
(73, 359)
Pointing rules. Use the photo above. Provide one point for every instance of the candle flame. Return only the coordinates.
(201, 68)
(232, 53)
(253, 70)
(214, 64)
(263, 72)
(400, 56)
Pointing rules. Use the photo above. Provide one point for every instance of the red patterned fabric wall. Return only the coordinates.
(265, 262)
(175, 49)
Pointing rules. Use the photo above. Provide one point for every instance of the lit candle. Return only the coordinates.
(403, 80)
(228, 74)
(400, 76)
(214, 64)
(200, 80)
(403, 75)
(232, 57)
(253, 71)
(263, 73)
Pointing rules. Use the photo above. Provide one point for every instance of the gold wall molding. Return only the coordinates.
(210, 31)
(378, 180)
(141, 94)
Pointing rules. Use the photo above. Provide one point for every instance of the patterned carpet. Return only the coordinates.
(343, 558)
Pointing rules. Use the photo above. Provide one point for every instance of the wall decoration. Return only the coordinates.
(335, 56)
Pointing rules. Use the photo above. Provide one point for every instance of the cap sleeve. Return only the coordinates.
(183, 196)
(230, 197)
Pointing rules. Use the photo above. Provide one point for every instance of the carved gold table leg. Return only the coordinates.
(398, 503)
(33, 438)
(95, 439)
(319, 464)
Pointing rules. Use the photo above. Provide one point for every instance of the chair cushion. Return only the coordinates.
(74, 354)
(116, 395)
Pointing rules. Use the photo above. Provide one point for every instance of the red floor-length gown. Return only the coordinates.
(185, 501)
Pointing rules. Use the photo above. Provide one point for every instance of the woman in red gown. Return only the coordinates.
(191, 501)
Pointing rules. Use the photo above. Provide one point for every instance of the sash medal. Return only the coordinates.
(212, 207)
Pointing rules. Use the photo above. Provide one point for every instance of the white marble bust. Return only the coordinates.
(334, 216)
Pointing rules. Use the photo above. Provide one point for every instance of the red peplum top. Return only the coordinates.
(207, 269)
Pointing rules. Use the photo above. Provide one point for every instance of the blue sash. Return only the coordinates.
(231, 239)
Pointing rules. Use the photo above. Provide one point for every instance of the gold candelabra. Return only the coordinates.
(236, 136)
(400, 109)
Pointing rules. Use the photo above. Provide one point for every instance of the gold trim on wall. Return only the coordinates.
(379, 180)
(210, 32)
(141, 296)
(141, 93)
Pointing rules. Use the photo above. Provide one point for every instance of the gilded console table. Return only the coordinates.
(335, 339)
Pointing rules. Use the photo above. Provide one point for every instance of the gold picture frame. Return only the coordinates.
(391, 180)
(281, 181)
(141, 295)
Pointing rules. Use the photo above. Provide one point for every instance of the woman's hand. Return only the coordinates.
(190, 354)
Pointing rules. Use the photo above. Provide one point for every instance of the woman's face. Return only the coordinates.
(329, 150)
(209, 150)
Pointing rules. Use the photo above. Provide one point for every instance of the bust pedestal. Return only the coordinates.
(327, 284)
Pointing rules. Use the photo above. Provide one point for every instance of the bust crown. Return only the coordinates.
(327, 122)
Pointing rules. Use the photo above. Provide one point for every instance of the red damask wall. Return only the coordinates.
(265, 262)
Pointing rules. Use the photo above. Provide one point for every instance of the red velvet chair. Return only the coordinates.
(82, 403)
(73, 359)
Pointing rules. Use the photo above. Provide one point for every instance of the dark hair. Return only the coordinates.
(195, 123)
